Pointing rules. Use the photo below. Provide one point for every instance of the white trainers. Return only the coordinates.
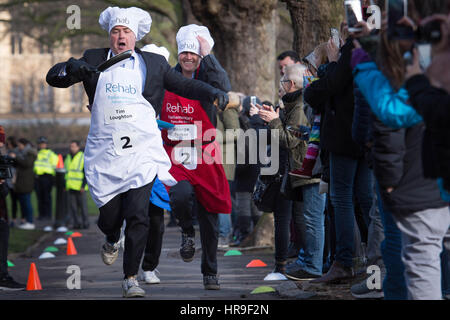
(131, 289)
(150, 277)
(62, 229)
(27, 226)
(109, 253)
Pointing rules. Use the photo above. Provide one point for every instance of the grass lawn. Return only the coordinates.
(92, 209)
(20, 240)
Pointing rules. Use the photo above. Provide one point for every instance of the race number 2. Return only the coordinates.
(187, 156)
(124, 142)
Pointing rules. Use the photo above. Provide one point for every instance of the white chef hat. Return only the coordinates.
(137, 20)
(158, 50)
(187, 38)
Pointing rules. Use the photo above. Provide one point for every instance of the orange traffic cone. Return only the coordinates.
(71, 251)
(76, 235)
(33, 279)
(256, 263)
(60, 165)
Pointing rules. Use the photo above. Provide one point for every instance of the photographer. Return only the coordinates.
(418, 212)
(431, 100)
(6, 281)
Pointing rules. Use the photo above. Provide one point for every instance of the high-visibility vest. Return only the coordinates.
(46, 162)
(75, 171)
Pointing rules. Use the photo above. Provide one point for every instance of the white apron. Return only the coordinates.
(124, 147)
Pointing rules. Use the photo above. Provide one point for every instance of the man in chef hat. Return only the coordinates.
(201, 184)
(124, 151)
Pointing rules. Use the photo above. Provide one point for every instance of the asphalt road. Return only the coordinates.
(179, 280)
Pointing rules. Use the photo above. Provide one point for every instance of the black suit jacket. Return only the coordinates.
(160, 76)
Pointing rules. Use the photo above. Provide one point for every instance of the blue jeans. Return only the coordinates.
(348, 177)
(313, 229)
(25, 206)
(224, 224)
(394, 283)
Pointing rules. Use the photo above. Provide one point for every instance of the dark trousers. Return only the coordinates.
(282, 218)
(4, 237)
(182, 201)
(14, 204)
(44, 185)
(78, 202)
(131, 206)
(153, 247)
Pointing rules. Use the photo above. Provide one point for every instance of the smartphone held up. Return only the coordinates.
(353, 14)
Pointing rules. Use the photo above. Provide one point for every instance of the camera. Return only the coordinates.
(429, 33)
(6, 163)
(353, 13)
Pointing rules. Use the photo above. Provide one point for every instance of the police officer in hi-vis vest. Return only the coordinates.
(76, 185)
(44, 168)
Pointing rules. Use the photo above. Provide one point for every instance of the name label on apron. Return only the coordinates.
(120, 114)
(182, 132)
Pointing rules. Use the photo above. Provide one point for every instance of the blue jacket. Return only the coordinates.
(389, 106)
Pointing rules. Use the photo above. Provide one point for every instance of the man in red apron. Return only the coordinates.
(195, 155)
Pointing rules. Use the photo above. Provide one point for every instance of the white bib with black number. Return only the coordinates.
(187, 156)
(124, 148)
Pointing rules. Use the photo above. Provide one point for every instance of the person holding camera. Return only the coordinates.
(292, 154)
(349, 173)
(7, 283)
(407, 191)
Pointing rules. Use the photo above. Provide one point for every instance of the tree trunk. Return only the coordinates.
(263, 234)
(245, 41)
(312, 20)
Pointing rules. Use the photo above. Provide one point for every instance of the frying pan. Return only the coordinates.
(112, 61)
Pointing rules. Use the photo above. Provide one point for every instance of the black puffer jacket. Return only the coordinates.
(433, 105)
(398, 163)
(335, 91)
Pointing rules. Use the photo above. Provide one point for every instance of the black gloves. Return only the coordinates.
(79, 69)
(222, 100)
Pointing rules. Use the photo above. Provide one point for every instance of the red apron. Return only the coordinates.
(194, 157)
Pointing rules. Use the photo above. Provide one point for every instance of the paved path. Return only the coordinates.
(179, 280)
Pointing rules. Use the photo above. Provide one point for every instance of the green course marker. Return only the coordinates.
(10, 264)
(263, 289)
(233, 253)
(68, 233)
(51, 249)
